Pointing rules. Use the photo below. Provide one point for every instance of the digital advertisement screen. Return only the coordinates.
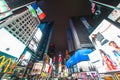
(24, 59)
(35, 40)
(38, 35)
(37, 67)
(105, 59)
(115, 14)
(112, 50)
(106, 39)
(105, 32)
(10, 45)
(79, 56)
(33, 45)
(84, 66)
(96, 60)
(3, 6)
(20, 70)
(46, 67)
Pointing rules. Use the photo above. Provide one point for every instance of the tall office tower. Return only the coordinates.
(22, 26)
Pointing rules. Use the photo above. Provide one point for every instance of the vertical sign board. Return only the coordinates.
(115, 14)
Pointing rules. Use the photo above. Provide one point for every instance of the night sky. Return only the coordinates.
(60, 11)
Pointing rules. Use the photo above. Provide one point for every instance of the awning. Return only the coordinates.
(80, 55)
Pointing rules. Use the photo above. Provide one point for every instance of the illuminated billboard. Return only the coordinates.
(46, 67)
(105, 60)
(35, 40)
(38, 35)
(105, 32)
(79, 56)
(106, 39)
(37, 67)
(25, 57)
(115, 14)
(3, 6)
(33, 45)
(96, 60)
(10, 44)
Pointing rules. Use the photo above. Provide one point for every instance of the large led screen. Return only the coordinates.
(37, 67)
(115, 14)
(24, 59)
(105, 32)
(9, 44)
(33, 45)
(96, 60)
(3, 6)
(38, 35)
(79, 56)
(106, 59)
(46, 67)
(106, 39)
(35, 40)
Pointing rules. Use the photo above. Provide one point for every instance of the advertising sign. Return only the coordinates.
(38, 35)
(24, 59)
(37, 67)
(79, 56)
(106, 39)
(115, 14)
(96, 60)
(35, 40)
(105, 59)
(105, 32)
(3, 6)
(7, 64)
(33, 45)
(46, 67)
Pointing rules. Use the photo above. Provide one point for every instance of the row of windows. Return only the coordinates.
(22, 26)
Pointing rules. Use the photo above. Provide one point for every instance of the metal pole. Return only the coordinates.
(106, 5)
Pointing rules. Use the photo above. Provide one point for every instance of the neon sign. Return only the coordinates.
(7, 63)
